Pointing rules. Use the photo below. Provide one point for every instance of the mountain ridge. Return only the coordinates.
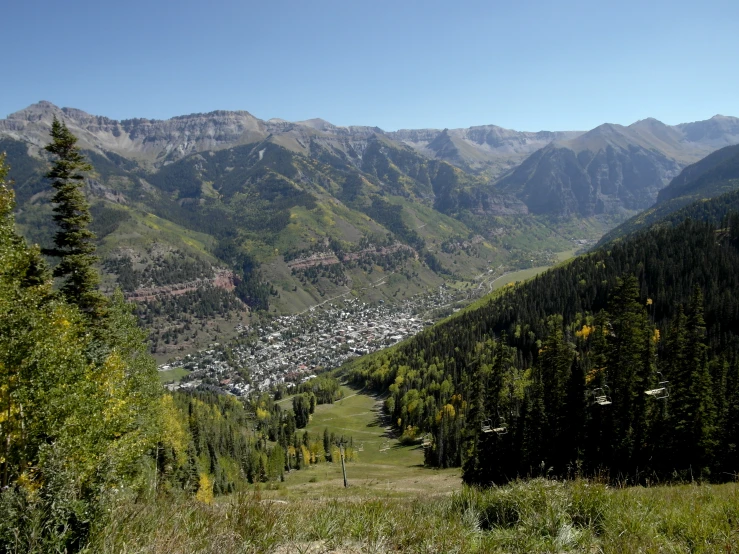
(613, 168)
(490, 150)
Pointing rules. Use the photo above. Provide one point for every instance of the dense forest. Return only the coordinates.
(623, 362)
(225, 443)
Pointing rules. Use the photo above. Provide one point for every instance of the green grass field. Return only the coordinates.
(397, 471)
(537, 516)
(173, 375)
(524, 274)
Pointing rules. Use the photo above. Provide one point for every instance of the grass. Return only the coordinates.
(144, 229)
(173, 375)
(391, 473)
(524, 274)
(534, 516)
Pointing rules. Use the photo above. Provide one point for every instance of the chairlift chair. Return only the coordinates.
(385, 446)
(502, 429)
(487, 426)
(602, 396)
(426, 441)
(361, 448)
(662, 390)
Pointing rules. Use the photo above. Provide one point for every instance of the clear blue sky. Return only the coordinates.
(554, 64)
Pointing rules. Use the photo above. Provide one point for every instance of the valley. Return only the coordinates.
(362, 292)
(279, 350)
(464, 279)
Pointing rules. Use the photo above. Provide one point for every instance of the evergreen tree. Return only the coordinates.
(626, 341)
(700, 406)
(471, 436)
(74, 243)
(556, 359)
(72, 427)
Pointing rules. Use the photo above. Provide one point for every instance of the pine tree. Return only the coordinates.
(628, 319)
(555, 360)
(74, 243)
(72, 426)
(472, 441)
(701, 407)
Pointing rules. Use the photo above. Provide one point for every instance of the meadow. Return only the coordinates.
(383, 468)
(523, 517)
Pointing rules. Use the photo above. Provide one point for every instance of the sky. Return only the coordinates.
(402, 64)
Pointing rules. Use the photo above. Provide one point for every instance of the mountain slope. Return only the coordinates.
(487, 149)
(712, 176)
(611, 168)
(256, 197)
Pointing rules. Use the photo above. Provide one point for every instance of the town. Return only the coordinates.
(293, 348)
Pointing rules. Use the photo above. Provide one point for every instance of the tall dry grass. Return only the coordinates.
(527, 516)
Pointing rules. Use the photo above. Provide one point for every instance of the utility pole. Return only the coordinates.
(343, 467)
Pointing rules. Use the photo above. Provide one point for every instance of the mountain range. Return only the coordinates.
(301, 212)
(608, 169)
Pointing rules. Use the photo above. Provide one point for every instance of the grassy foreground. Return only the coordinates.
(532, 516)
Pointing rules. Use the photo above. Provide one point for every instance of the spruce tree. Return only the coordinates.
(74, 243)
(700, 404)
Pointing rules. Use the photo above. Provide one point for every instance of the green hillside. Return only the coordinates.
(256, 208)
(559, 366)
(97, 457)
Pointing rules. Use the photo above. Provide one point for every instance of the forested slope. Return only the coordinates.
(560, 366)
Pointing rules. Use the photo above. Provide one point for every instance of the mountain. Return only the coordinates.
(612, 168)
(210, 215)
(215, 212)
(710, 176)
(158, 142)
(487, 149)
(714, 175)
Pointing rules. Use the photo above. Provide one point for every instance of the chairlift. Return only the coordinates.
(487, 426)
(502, 429)
(602, 396)
(662, 390)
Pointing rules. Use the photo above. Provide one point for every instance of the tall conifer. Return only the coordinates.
(700, 398)
(74, 243)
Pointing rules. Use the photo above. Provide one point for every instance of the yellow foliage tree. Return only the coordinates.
(205, 490)
(305, 454)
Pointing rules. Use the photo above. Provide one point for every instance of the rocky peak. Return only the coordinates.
(718, 131)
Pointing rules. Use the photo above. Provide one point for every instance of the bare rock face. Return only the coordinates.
(717, 132)
(500, 204)
(141, 138)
